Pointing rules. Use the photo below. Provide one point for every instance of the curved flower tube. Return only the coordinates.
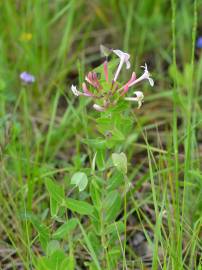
(124, 58)
(139, 98)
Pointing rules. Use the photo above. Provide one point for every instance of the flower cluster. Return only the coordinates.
(106, 92)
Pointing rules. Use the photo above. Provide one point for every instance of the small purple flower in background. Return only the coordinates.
(27, 78)
(199, 43)
(107, 91)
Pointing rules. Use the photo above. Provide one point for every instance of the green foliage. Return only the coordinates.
(95, 193)
(149, 219)
(120, 162)
(63, 231)
(115, 181)
(43, 232)
(112, 206)
(52, 246)
(56, 193)
(115, 228)
(79, 207)
(114, 126)
(100, 158)
(80, 180)
(57, 260)
(97, 144)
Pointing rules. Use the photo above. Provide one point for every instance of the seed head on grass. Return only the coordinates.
(106, 91)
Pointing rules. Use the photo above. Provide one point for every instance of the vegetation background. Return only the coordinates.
(42, 125)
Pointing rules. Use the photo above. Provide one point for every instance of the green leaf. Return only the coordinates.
(112, 205)
(55, 191)
(120, 162)
(54, 207)
(93, 163)
(65, 229)
(80, 180)
(79, 207)
(124, 125)
(98, 143)
(121, 106)
(116, 227)
(95, 241)
(105, 51)
(111, 66)
(115, 181)
(104, 124)
(95, 220)
(58, 260)
(175, 74)
(100, 159)
(52, 246)
(114, 255)
(43, 232)
(95, 193)
(70, 263)
(117, 135)
(115, 138)
(90, 247)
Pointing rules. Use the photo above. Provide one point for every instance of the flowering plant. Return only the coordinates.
(106, 179)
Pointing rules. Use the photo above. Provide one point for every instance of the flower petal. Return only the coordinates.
(75, 91)
(86, 91)
(126, 86)
(122, 54)
(105, 66)
(139, 98)
(27, 77)
(127, 64)
(98, 108)
(145, 76)
(124, 58)
(139, 95)
(151, 81)
(92, 79)
(131, 98)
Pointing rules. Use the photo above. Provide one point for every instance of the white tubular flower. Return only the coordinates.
(124, 58)
(98, 108)
(75, 91)
(139, 98)
(145, 76)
